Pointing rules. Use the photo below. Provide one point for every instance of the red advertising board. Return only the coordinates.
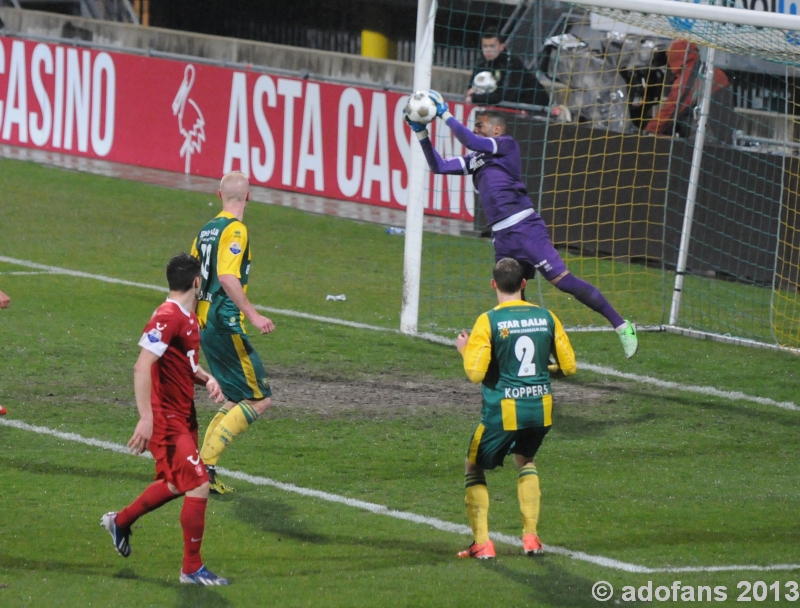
(342, 142)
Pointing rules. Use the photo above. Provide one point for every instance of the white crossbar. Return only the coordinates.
(690, 10)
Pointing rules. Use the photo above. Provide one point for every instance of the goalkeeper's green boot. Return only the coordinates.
(630, 341)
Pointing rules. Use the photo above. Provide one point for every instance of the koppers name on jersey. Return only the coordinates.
(536, 390)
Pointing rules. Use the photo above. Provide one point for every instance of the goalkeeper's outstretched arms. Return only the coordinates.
(437, 164)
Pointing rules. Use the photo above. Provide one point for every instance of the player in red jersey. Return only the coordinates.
(164, 377)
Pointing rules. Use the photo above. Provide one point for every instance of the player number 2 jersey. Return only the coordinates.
(518, 339)
(173, 335)
(222, 247)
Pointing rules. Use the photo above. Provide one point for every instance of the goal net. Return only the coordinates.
(661, 149)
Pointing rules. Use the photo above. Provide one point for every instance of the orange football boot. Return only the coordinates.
(532, 545)
(476, 551)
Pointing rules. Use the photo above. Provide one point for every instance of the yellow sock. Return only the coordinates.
(221, 413)
(477, 500)
(529, 496)
(236, 421)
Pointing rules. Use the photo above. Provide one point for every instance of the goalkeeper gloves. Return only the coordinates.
(442, 110)
(418, 128)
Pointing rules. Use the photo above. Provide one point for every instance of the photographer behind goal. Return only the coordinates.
(498, 76)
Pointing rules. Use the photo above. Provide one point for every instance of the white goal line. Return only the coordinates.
(606, 371)
(438, 524)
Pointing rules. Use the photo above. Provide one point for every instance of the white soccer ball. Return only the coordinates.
(420, 108)
(484, 82)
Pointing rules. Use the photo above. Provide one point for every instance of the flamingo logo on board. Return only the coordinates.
(191, 123)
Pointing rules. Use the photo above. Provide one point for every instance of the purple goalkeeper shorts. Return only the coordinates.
(529, 243)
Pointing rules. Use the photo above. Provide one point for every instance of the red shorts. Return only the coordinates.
(178, 461)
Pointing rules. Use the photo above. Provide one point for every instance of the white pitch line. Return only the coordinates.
(607, 371)
(105, 279)
(433, 522)
(705, 390)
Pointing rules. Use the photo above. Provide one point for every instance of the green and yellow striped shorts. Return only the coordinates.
(236, 365)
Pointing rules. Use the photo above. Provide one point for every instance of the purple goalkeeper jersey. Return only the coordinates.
(495, 164)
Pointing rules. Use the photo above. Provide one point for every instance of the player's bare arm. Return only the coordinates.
(4, 300)
(203, 378)
(461, 341)
(143, 387)
(233, 289)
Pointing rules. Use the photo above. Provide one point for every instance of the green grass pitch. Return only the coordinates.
(648, 476)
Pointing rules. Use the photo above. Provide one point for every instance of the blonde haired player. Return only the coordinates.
(509, 352)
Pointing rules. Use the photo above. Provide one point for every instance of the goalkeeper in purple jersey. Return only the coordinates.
(518, 232)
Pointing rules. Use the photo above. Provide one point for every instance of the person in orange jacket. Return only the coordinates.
(674, 117)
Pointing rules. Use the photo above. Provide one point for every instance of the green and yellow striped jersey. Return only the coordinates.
(222, 247)
(509, 351)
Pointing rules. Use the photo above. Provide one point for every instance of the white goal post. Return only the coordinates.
(412, 257)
